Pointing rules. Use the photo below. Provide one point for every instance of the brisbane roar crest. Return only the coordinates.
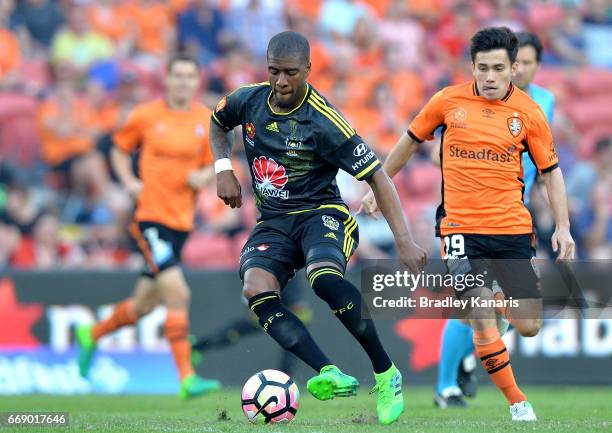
(515, 125)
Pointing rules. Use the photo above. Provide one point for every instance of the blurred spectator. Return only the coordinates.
(68, 130)
(254, 22)
(20, 210)
(340, 16)
(506, 14)
(234, 70)
(45, 249)
(597, 27)
(154, 21)
(76, 46)
(41, 19)
(365, 40)
(453, 34)
(113, 19)
(590, 190)
(10, 51)
(399, 29)
(375, 60)
(11, 239)
(567, 41)
(201, 31)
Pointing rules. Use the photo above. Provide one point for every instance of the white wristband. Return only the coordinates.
(223, 164)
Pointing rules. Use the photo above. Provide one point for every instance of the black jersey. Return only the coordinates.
(294, 157)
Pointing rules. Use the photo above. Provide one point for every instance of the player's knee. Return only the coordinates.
(258, 281)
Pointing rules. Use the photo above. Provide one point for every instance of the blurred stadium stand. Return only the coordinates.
(377, 61)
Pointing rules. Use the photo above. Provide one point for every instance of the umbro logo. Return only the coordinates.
(272, 127)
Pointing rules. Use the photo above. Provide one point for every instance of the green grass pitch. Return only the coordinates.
(559, 409)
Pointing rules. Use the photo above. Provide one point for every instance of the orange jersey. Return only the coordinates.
(482, 143)
(10, 53)
(79, 117)
(172, 144)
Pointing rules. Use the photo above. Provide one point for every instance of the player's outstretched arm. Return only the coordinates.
(228, 187)
(399, 156)
(410, 254)
(122, 166)
(562, 241)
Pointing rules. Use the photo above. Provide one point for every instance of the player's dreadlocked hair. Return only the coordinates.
(494, 38)
(289, 44)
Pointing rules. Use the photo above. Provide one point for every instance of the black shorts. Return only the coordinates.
(508, 259)
(160, 245)
(284, 244)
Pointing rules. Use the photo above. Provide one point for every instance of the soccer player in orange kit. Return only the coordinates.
(175, 158)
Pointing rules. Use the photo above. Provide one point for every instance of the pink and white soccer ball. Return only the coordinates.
(270, 395)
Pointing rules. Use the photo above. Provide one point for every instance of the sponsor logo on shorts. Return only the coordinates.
(270, 178)
(330, 222)
(246, 251)
(262, 247)
(331, 235)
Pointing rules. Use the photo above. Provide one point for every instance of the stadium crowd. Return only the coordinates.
(70, 71)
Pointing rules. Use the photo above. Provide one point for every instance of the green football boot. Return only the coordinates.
(196, 355)
(194, 385)
(390, 399)
(87, 348)
(331, 382)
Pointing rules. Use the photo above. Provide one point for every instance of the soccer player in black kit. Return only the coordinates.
(295, 142)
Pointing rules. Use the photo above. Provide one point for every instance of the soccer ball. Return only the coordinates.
(271, 394)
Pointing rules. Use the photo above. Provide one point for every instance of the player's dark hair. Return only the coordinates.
(289, 44)
(527, 38)
(494, 38)
(182, 57)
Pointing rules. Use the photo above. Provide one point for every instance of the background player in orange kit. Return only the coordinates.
(486, 125)
(174, 157)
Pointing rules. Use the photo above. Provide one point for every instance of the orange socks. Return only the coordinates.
(123, 314)
(495, 359)
(177, 331)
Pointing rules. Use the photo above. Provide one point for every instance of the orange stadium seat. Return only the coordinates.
(35, 71)
(591, 112)
(542, 16)
(590, 137)
(593, 82)
(19, 142)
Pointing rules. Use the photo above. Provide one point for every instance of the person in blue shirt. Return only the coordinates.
(456, 377)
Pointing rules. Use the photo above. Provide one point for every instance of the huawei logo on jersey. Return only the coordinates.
(270, 178)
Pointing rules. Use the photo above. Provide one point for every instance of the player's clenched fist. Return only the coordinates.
(411, 255)
(228, 188)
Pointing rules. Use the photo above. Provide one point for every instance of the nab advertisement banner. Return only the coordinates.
(38, 313)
